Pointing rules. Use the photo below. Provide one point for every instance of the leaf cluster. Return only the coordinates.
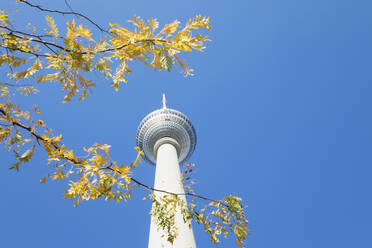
(68, 58)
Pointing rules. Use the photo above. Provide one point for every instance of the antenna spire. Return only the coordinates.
(164, 102)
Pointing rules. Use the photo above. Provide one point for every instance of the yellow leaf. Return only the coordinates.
(27, 155)
(37, 111)
(84, 32)
(43, 180)
(49, 77)
(170, 28)
(53, 26)
(4, 17)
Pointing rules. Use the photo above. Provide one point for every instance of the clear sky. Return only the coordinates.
(281, 102)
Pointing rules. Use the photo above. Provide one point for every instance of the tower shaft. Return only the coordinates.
(168, 178)
(167, 138)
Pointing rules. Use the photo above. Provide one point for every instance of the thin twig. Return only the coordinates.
(39, 40)
(17, 85)
(167, 192)
(9, 65)
(23, 33)
(68, 5)
(23, 51)
(187, 193)
(42, 42)
(65, 13)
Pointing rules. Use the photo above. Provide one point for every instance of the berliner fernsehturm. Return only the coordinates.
(168, 138)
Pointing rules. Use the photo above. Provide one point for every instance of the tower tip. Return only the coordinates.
(164, 101)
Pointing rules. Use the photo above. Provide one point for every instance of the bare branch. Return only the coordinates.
(65, 13)
(68, 5)
(16, 85)
(23, 33)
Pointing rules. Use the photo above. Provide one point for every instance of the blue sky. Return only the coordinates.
(280, 101)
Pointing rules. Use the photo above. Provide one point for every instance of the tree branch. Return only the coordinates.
(23, 33)
(167, 192)
(23, 51)
(16, 85)
(37, 136)
(40, 40)
(47, 43)
(109, 167)
(65, 13)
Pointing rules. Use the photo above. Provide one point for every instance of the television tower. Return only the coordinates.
(167, 138)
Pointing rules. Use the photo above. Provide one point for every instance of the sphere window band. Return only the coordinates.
(166, 123)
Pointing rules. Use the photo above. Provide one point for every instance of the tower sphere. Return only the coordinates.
(166, 123)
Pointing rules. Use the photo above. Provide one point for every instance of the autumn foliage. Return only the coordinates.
(66, 57)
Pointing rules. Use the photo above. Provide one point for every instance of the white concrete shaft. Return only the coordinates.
(168, 178)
